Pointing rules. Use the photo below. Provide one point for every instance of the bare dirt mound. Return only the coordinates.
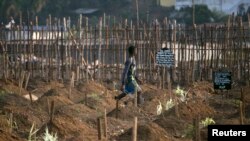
(68, 128)
(187, 111)
(95, 96)
(128, 113)
(80, 112)
(172, 125)
(147, 132)
(52, 95)
(152, 95)
(5, 136)
(6, 132)
(24, 115)
(91, 86)
(12, 99)
(117, 127)
(75, 115)
(12, 87)
(192, 109)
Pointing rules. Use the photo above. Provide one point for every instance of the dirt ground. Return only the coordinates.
(75, 113)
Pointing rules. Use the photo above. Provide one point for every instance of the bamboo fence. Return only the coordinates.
(57, 50)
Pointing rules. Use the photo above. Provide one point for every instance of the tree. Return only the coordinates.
(241, 10)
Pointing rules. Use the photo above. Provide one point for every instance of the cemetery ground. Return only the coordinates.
(72, 114)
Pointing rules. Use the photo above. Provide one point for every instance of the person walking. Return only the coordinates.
(130, 79)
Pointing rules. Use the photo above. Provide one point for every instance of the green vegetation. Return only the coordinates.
(2, 95)
(49, 136)
(11, 123)
(189, 132)
(32, 133)
(181, 93)
(169, 104)
(159, 109)
(207, 121)
(95, 97)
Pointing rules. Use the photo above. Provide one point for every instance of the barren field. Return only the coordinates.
(73, 117)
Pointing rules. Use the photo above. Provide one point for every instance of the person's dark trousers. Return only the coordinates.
(119, 97)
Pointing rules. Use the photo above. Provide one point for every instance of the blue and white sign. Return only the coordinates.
(165, 58)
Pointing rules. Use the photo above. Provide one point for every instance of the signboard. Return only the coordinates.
(222, 80)
(165, 58)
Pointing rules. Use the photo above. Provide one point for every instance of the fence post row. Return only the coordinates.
(54, 50)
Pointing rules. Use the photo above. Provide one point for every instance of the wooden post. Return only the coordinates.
(87, 46)
(21, 82)
(116, 52)
(197, 129)
(194, 130)
(11, 122)
(241, 114)
(243, 102)
(99, 51)
(71, 83)
(27, 80)
(31, 100)
(49, 50)
(42, 52)
(99, 128)
(134, 134)
(58, 50)
(117, 108)
(86, 98)
(105, 123)
(46, 54)
(62, 52)
(176, 108)
(193, 53)
(52, 109)
(77, 74)
(174, 50)
(169, 83)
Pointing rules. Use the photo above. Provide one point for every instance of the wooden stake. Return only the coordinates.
(243, 102)
(77, 74)
(27, 80)
(99, 51)
(177, 114)
(134, 134)
(117, 109)
(71, 83)
(52, 110)
(169, 83)
(11, 122)
(197, 129)
(241, 114)
(31, 100)
(105, 123)
(99, 128)
(21, 82)
(86, 99)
